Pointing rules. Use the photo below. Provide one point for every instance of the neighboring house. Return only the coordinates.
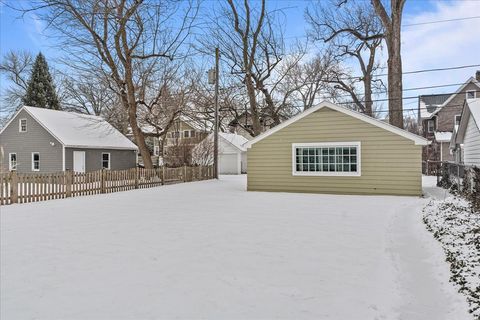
(181, 138)
(43, 140)
(232, 155)
(440, 114)
(466, 140)
(331, 149)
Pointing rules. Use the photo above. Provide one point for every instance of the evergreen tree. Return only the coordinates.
(41, 90)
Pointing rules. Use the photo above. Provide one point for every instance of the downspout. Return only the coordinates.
(63, 157)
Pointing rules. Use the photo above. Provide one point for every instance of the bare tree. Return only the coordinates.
(15, 66)
(251, 43)
(126, 39)
(353, 32)
(392, 24)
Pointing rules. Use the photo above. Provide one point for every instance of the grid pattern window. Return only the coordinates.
(12, 161)
(106, 161)
(35, 161)
(22, 127)
(470, 94)
(328, 159)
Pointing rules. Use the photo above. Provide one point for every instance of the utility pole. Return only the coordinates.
(213, 79)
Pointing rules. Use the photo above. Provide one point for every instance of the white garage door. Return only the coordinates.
(227, 164)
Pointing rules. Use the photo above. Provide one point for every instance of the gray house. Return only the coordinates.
(45, 141)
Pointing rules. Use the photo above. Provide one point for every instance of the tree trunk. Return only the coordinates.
(368, 95)
(395, 90)
(257, 129)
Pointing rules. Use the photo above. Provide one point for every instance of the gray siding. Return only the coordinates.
(119, 159)
(36, 139)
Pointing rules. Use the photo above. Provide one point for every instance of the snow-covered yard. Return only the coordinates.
(210, 250)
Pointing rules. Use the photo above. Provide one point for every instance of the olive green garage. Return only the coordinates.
(331, 149)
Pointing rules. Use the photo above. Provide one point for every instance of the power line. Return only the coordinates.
(440, 21)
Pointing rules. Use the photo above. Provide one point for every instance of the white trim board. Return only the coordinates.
(325, 104)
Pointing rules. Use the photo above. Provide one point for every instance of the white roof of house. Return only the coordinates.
(236, 140)
(325, 104)
(443, 136)
(79, 130)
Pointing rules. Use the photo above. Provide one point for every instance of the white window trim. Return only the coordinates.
(356, 144)
(10, 161)
(428, 125)
(33, 167)
(109, 160)
(20, 125)
(474, 94)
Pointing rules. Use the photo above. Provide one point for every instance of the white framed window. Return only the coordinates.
(186, 134)
(12, 161)
(431, 125)
(22, 125)
(106, 160)
(326, 159)
(470, 94)
(458, 117)
(156, 150)
(35, 161)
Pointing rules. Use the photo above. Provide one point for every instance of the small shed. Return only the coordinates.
(232, 155)
(45, 141)
(331, 149)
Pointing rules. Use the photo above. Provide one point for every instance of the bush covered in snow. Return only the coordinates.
(457, 226)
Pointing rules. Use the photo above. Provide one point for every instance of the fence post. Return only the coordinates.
(136, 177)
(163, 175)
(102, 181)
(68, 183)
(13, 187)
(184, 173)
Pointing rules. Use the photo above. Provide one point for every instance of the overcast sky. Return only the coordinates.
(426, 46)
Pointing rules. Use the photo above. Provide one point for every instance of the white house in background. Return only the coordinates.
(232, 155)
(465, 142)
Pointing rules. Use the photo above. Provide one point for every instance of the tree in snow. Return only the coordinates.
(41, 90)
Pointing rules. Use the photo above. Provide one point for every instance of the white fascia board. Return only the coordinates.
(411, 136)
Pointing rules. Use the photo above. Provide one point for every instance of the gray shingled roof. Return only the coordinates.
(433, 100)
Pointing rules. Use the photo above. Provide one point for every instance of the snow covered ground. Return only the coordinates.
(210, 250)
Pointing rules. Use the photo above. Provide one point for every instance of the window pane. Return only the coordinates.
(353, 159)
(331, 151)
(299, 151)
(325, 151)
(305, 167)
(331, 167)
(36, 157)
(346, 151)
(305, 152)
(325, 167)
(311, 159)
(346, 167)
(353, 167)
(105, 156)
(299, 167)
(312, 167)
(353, 150)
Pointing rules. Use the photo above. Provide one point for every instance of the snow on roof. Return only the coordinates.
(474, 106)
(79, 130)
(441, 136)
(197, 124)
(237, 140)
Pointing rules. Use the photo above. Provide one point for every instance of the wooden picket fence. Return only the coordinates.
(23, 188)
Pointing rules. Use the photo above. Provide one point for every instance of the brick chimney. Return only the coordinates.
(477, 75)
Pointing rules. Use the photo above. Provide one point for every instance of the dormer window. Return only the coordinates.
(431, 125)
(471, 94)
(457, 120)
(22, 125)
